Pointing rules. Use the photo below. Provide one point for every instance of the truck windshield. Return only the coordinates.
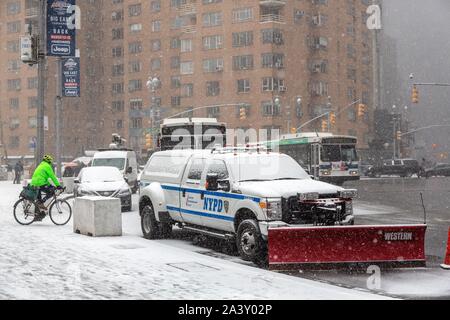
(267, 168)
(119, 163)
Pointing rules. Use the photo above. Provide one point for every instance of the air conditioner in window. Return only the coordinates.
(219, 68)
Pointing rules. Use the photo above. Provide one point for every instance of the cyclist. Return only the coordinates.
(41, 175)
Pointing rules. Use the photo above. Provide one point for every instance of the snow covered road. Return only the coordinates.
(43, 261)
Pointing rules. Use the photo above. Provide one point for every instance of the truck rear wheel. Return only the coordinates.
(149, 224)
(250, 244)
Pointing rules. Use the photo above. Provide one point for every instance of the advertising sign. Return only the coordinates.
(71, 77)
(60, 32)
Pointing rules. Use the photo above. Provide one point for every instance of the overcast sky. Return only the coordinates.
(422, 31)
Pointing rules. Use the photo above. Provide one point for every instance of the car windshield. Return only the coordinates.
(266, 168)
(101, 174)
(118, 163)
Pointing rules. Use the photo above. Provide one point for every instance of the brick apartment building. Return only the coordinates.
(206, 53)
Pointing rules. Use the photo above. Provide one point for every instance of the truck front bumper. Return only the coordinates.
(264, 226)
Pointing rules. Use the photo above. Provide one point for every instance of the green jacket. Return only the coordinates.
(43, 172)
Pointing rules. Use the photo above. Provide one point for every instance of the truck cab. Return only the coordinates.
(236, 194)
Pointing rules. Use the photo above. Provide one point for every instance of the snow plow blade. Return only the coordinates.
(346, 247)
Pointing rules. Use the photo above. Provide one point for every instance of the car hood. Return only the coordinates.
(103, 186)
(285, 188)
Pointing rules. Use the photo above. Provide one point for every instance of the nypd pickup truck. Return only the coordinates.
(237, 195)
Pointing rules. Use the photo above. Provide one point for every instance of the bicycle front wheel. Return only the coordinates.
(24, 212)
(60, 212)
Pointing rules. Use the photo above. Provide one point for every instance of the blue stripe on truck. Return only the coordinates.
(199, 213)
(212, 193)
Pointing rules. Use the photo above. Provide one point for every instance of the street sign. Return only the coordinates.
(70, 77)
(60, 34)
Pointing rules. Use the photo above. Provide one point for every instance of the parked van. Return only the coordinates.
(124, 160)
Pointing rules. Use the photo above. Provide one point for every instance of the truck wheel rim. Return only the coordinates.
(248, 243)
(146, 221)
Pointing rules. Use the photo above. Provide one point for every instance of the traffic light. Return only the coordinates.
(148, 141)
(333, 118)
(242, 113)
(361, 110)
(399, 135)
(415, 95)
(293, 130)
(324, 125)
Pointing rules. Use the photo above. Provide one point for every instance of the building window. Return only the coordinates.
(212, 88)
(186, 45)
(213, 112)
(156, 45)
(273, 84)
(155, 64)
(136, 104)
(272, 60)
(212, 19)
(134, 66)
(243, 62)
(269, 109)
(175, 101)
(117, 52)
(156, 26)
(243, 39)
(213, 65)
(213, 42)
(134, 10)
(243, 85)
(187, 90)
(135, 27)
(187, 67)
(273, 36)
(135, 47)
(242, 15)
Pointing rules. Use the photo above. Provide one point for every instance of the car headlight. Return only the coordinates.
(272, 208)
(326, 172)
(84, 192)
(348, 193)
(308, 196)
(124, 192)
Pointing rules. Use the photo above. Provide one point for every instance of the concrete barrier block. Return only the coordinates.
(97, 216)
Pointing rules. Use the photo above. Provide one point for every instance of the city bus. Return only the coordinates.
(191, 133)
(327, 157)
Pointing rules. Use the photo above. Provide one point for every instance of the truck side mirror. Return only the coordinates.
(130, 170)
(76, 181)
(212, 182)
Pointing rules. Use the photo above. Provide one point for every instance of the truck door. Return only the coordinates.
(192, 192)
(217, 205)
(315, 160)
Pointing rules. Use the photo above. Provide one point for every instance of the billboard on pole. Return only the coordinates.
(71, 77)
(60, 33)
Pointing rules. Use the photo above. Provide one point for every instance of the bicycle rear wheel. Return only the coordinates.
(24, 212)
(60, 212)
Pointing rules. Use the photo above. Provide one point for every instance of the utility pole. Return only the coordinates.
(2, 138)
(41, 82)
(58, 110)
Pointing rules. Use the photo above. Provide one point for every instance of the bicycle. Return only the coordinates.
(59, 210)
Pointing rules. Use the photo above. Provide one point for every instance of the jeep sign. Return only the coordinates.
(60, 38)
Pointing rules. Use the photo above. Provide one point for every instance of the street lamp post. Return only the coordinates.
(153, 83)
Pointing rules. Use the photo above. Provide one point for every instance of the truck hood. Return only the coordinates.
(285, 188)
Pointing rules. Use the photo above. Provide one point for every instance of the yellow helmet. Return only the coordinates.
(48, 158)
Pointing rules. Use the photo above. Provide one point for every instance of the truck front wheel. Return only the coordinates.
(149, 224)
(250, 243)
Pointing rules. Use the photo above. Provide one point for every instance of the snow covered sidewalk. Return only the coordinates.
(43, 261)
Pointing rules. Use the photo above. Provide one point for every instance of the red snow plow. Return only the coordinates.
(349, 247)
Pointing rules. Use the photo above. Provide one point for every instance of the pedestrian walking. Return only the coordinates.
(18, 171)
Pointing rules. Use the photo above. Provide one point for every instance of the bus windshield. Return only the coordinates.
(336, 153)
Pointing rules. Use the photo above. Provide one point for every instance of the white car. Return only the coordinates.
(124, 160)
(103, 182)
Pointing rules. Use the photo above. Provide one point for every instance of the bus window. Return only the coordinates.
(349, 153)
(331, 153)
